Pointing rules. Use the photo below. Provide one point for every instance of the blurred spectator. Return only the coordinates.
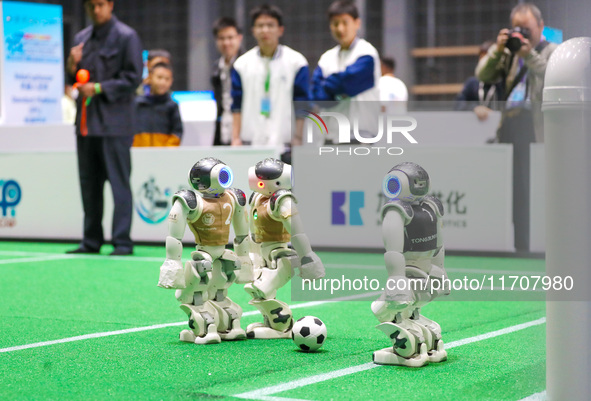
(228, 39)
(519, 58)
(479, 96)
(266, 80)
(112, 53)
(522, 70)
(155, 56)
(393, 92)
(349, 72)
(158, 121)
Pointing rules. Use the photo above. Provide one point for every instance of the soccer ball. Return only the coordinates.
(308, 333)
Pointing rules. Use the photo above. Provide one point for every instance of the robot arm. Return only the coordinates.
(311, 265)
(185, 205)
(242, 240)
(240, 221)
(393, 235)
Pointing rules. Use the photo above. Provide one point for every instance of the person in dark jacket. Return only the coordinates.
(478, 96)
(228, 40)
(158, 120)
(111, 52)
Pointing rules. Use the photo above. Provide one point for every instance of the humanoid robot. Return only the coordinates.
(274, 221)
(202, 285)
(411, 229)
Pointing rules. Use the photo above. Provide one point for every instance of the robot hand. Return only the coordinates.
(396, 297)
(246, 273)
(311, 267)
(172, 274)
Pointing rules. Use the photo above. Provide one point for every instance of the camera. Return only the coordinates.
(514, 42)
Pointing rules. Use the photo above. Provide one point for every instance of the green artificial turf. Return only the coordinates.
(50, 299)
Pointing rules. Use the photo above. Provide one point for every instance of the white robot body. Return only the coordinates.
(411, 228)
(274, 221)
(202, 284)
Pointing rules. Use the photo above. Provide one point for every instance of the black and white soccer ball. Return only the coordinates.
(309, 333)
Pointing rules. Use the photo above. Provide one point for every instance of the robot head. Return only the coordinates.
(269, 176)
(211, 176)
(406, 181)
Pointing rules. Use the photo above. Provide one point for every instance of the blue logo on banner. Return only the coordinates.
(11, 196)
(356, 202)
(151, 203)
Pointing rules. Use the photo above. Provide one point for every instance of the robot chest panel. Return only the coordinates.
(421, 232)
(215, 218)
(267, 229)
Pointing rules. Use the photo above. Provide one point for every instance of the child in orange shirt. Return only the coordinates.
(158, 120)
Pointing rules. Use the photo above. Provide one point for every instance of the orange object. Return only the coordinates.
(82, 76)
(83, 126)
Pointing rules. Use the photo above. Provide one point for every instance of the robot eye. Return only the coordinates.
(225, 177)
(391, 186)
(394, 186)
(261, 184)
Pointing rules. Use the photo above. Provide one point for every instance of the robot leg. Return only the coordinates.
(198, 273)
(194, 301)
(268, 279)
(408, 344)
(230, 314)
(202, 323)
(278, 319)
(432, 333)
(408, 338)
(431, 330)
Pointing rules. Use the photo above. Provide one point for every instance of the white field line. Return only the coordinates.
(541, 396)
(264, 393)
(448, 269)
(34, 259)
(164, 325)
(52, 256)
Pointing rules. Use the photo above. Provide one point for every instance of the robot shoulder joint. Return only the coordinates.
(191, 202)
(238, 195)
(404, 208)
(278, 196)
(252, 198)
(435, 204)
(188, 198)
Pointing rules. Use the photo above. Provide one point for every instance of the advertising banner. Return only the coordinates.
(32, 63)
(40, 192)
(339, 200)
(340, 194)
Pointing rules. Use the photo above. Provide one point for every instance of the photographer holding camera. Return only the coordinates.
(519, 59)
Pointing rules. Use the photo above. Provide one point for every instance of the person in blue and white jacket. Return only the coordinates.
(349, 72)
(266, 81)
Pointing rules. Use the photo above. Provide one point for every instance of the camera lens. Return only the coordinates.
(513, 44)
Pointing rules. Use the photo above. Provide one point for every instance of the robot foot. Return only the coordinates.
(439, 354)
(432, 334)
(260, 331)
(235, 333)
(429, 324)
(388, 356)
(187, 336)
(408, 345)
(211, 337)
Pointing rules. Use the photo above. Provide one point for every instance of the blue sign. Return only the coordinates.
(356, 203)
(11, 197)
(33, 76)
(553, 35)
